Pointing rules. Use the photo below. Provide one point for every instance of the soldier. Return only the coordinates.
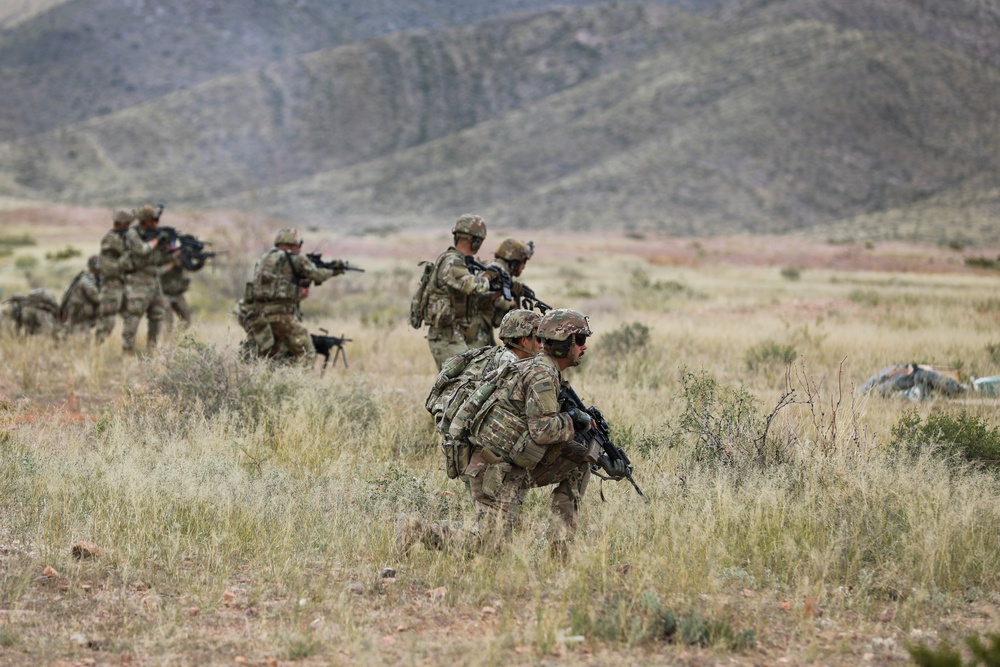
(38, 313)
(489, 309)
(113, 264)
(174, 284)
(523, 439)
(461, 375)
(451, 284)
(269, 311)
(143, 295)
(81, 303)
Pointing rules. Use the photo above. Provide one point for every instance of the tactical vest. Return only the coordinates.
(444, 306)
(274, 280)
(489, 419)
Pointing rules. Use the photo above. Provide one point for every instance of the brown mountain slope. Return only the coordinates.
(971, 27)
(87, 58)
(613, 115)
(329, 109)
(770, 129)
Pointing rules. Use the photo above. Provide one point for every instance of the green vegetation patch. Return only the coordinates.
(964, 437)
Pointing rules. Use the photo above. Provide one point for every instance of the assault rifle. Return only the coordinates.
(602, 433)
(500, 280)
(193, 254)
(325, 343)
(334, 265)
(528, 301)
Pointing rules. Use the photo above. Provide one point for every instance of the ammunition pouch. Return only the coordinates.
(494, 477)
(456, 457)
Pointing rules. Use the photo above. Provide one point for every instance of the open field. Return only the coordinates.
(248, 513)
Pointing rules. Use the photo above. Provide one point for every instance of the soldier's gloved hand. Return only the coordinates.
(517, 289)
(615, 469)
(582, 421)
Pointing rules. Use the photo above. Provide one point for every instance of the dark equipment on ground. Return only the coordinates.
(915, 381)
(325, 343)
(600, 430)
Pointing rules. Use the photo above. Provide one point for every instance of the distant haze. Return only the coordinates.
(686, 118)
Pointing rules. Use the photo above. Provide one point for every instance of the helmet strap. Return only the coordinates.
(558, 348)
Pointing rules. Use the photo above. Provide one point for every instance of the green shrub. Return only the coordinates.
(769, 354)
(791, 273)
(12, 240)
(946, 656)
(69, 252)
(983, 263)
(864, 297)
(624, 340)
(726, 424)
(25, 262)
(965, 437)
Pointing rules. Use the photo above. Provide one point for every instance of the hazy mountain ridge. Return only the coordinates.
(767, 116)
(87, 58)
(332, 108)
(692, 146)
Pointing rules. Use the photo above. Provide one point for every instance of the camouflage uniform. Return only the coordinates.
(488, 310)
(38, 313)
(462, 374)
(451, 285)
(113, 263)
(269, 311)
(143, 295)
(522, 440)
(81, 303)
(174, 284)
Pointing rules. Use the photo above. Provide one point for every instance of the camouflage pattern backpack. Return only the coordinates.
(421, 297)
(459, 377)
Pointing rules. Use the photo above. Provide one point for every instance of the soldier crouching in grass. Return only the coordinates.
(523, 439)
(269, 310)
(80, 307)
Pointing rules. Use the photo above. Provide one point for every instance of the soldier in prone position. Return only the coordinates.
(269, 310)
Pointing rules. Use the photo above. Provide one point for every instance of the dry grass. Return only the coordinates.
(248, 512)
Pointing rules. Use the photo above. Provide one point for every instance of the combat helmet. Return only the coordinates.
(561, 323)
(123, 217)
(512, 250)
(93, 262)
(518, 324)
(288, 236)
(147, 213)
(470, 225)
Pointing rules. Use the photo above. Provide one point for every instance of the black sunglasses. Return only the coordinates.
(580, 339)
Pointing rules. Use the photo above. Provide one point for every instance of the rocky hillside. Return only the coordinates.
(761, 116)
